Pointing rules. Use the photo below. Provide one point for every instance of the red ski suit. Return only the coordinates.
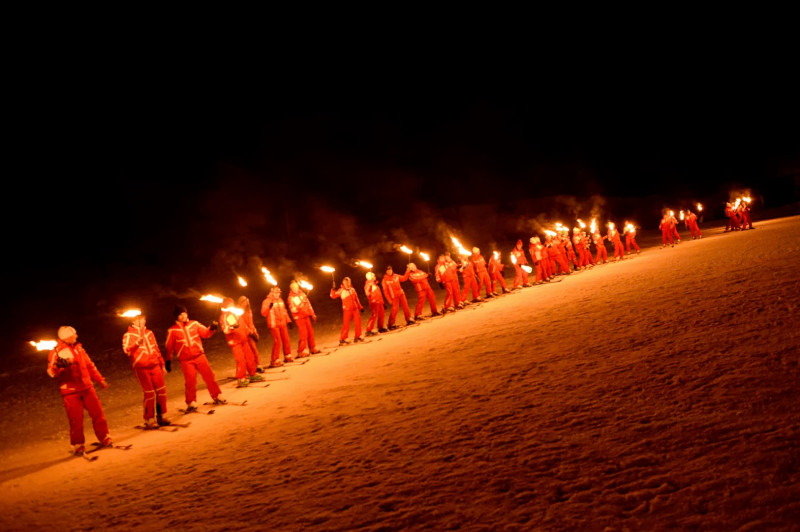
(558, 262)
(470, 282)
(747, 220)
(733, 221)
(615, 238)
(580, 247)
(142, 349)
(630, 240)
(482, 273)
(447, 274)
(77, 390)
(184, 340)
(246, 320)
(424, 291)
(666, 230)
(600, 244)
(691, 224)
(303, 315)
(521, 276)
(395, 296)
(376, 302)
(274, 310)
(569, 251)
(674, 225)
(238, 339)
(538, 254)
(496, 271)
(351, 307)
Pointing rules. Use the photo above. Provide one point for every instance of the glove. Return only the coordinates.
(104, 384)
(168, 365)
(62, 362)
(314, 319)
(214, 326)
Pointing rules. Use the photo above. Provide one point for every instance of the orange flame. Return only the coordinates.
(549, 232)
(365, 264)
(526, 268)
(424, 256)
(513, 259)
(212, 299)
(406, 249)
(593, 227)
(681, 214)
(328, 269)
(241, 280)
(699, 206)
(44, 345)
(629, 228)
(580, 222)
(233, 310)
(496, 255)
(268, 276)
(747, 199)
(132, 313)
(306, 285)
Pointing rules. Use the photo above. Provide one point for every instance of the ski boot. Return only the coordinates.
(357, 340)
(256, 378)
(242, 383)
(78, 449)
(151, 424)
(162, 421)
(191, 407)
(219, 400)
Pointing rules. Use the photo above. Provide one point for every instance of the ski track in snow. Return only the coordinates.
(656, 393)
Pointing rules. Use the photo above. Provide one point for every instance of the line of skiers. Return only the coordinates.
(738, 215)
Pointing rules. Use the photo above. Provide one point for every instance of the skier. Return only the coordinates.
(747, 220)
(674, 227)
(74, 372)
(518, 258)
(237, 338)
(480, 271)
(538, 252)
(424, 291)
(185, 340)
(733, 222)
(630, 237)
(246, 320)
(666, 230)
(303, 315)
(396, 297)
(691, 224)
(351, 308)
(447, 277)
(278, 320)
(496, 271)
(139, 343)
(376, 305)
(470, 281)
(580, 246)
(615, 238)
(600, 244)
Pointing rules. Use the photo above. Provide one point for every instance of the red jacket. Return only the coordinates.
(76, 377)
(480, 264)
(146, 355)
(446, 272)
(299, 305)
(613, 236)
(467, 269)
(495, 266)
(185, 340)
(391, 286)
(537, 252)
(519, 254)
(349, 298)
(235, 331)
(419, 279)
(275, 311)
(373, 292)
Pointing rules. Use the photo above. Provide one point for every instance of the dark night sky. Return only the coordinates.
(121, 165)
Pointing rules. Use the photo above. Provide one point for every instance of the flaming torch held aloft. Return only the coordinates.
(241, 280)
(364, 264)
(234, 310)
(580, 222)
(44, 345)
(305, 285)
(132, 313)
(682, 216)
(593, 226)
(427, 259)
(330, 270)
(211, 298)
(268, 276)
(700, 207)
(527, 268)
(407, 250)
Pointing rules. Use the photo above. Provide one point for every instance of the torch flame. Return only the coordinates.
(268, 276)
(242, 282)
(593, 227)
(580, 222)
(496, 255)
(671, 213)
(132, 313)
(424, 256)
(306, 285)
(747, 199)
(526, 268)
(513, 259)
(681, 214)
(611, 225)
(629, 228)
(365, 264)
(212, 299)
(44, 345)
(328, 269)
(549, 232)
(699, 206)
(461, 249)
(233, 310)
(406, 249)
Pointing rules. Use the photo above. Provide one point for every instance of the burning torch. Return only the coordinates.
(330, 270)
(407, 251)
(427, 259)
(268, 276)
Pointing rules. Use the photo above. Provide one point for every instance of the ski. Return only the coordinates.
(164, 428)
(259, 384)
(231, 403)
(98, 446)
(299, 362)
(84, 456)
(195, 411)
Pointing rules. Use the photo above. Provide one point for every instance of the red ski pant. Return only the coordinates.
(355, 316)
(694, 229)
(245, 362)
(453, 297)
(497, 277)
(254, 349)
(541, 275)
(571, 257)
(421, 297)
(155, 391)
(74, 404)
(547, 267)
(747, 221)
(675, 233)
(397, 302)
(631, 241)
(584, 256)
(520, 277)
(280, 338)
(602, 252)
(561, 262)
(733, 223)
(306, 332)
(377, 316)
(190, 369)
(619, 251)
(486, 282)
(666, 234)
(471, 283)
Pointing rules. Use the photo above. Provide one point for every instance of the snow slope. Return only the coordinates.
(659, 392)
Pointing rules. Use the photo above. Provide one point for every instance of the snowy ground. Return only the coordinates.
(658, 393)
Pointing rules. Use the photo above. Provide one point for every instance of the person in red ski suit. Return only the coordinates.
(496, 271)
(600, 244)
(185, 340)
(674, 225)
(518, 259)
(237, 338)
(615, 238)
(691, 225)
(246, 320)
(304, 316)
(74, 371)
(470, 281)
(580, 248)
(447, 277)
(569, 249)
(424, 291)
(558, 260)
(376, 305)
(733, 222)
(278, 321)
(139, 343)
(351, 309)
(538, 254)
(393, 291)
(630, 237)
(666, 230)
(747, 220)
(481, 272)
